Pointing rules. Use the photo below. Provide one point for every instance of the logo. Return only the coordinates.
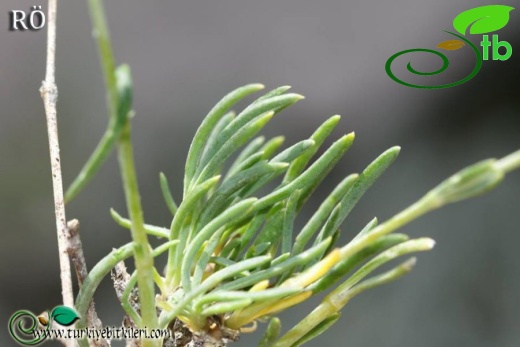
(26, 323)
(480, 21)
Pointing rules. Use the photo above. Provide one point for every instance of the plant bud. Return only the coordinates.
(469, 182)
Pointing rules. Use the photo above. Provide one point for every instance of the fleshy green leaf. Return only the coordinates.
(411, 246)
(251, 230)
(318, 330)
(365, 181)
(211, 228)
(251, 115)
(281, 268)
(313, 174)
(246, 152)
(215, 132)
(227, 306)
(348, 264)
(236, 140)
(217, 201)
(483, 19)
(271, 333)
(125, 90)
(272, 231)
(272, 146)
(200, 138)
(167, 194)
(321, 215)
(150, 229)
(288, 222)
(319, 136)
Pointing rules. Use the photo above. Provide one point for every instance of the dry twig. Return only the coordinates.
(75, 250)
(49, 93)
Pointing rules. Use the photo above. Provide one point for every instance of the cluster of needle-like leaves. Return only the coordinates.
(234, 253)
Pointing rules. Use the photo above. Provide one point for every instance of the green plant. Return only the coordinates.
(234, 257)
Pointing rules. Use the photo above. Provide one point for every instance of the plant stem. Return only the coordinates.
(335, 301)
(464, 184)
(144, 261)
(49, 93)
(105, 146)
(143, 257)
(92, 281)
(102, 37)
(509, 163)
(419, 208)
(93, 164)
(95, 276)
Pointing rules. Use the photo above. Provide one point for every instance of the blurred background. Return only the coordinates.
(185, 56)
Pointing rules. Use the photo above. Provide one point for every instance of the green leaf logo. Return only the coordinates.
(64, 315)
(482, 20)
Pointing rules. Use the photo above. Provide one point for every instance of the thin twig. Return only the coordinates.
(49, 93)
(121, 279)
(75, 251)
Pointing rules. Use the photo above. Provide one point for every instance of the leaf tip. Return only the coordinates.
(334, 119)
(308, 143)
(409, 264)
(348, 139)
(215, 179)
(427, 243)
(395, 150)
(279, 165)
(114, 214)
(267, 116)
(278, 140)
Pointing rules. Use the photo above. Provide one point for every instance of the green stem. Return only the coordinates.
(125, 301)
(102, 37)
(94, 278)
(104, 147)
(314, 318)
(509, 163)
(419, 208)
(335, 301)
(143, 256)
(144, 261)
(96, 159)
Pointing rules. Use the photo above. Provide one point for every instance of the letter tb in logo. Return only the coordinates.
(496, 45)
